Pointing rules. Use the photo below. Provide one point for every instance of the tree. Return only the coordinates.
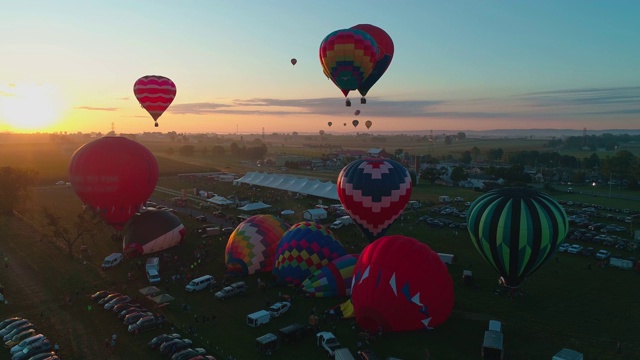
(461, 136)
(458, 174)
(217, 150)
(86, 225)
(475, 151)
(186, 150)
(15, 187)
(466, 157)
(398, 152)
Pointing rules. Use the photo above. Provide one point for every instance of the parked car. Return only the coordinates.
(563, 247)
(119, 300)
(327, 341)
(174, 346)
(367, 355)
(160, 339)
(7, 322)
(123, 306)
(146, 323)
(188, 354)
(17, 330)
(12, 326)
(588, 251)
(291, 333)
(99, 295)
(134, 317)
(16, 339)
(231, 290)
(27, 342)
(603, 254)
(574, 249)
(131, 310)
(279, 308)
(49, 355)
(30, 351)
(108, 298)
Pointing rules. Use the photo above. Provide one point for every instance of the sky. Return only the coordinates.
(70, 65)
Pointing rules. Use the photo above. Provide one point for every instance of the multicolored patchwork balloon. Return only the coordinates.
(333, 279)
(400, 284)
(303, 249)
(155, 93)
(252, 245)
(516, 230)
(374, 192)
(347, 57)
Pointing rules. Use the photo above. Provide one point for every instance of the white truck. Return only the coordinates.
(153, 270)
(492, 346)
(342, 221)
(328, 341)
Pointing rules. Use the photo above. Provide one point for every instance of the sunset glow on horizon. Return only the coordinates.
(464, 66)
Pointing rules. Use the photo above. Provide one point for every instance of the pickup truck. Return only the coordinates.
(328, 341)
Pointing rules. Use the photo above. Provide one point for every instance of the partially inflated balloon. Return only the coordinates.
(516, 230)
(303, 249)
(355, 123)
(374, 192)
(348, 56)
(114, 176)
(252, 245)
(294, 61)
(152, 231)
(400, 284)
(333, 279)
(385, 52)
(155, 93)
(368, 123)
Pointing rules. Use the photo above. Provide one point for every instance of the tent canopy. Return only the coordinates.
(220, 200)
(149, 290)
(162, 298)
(254, 206)
(291, 183)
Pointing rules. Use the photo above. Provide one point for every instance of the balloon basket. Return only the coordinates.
(363, 101)
(156, 124)
(347, 103)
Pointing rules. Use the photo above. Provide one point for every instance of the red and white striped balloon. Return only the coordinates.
(155, 93)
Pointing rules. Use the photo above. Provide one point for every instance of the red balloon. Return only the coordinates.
(155, 93)
(294, 61)
(114, 176)
(400, 284)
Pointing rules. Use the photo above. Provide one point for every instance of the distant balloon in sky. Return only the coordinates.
(368, 124)
(355, 123)
(294, 61)
(329, 123)
(155, 93)
(345, 124)
(347, 57)
(385, 55)
(357, 113)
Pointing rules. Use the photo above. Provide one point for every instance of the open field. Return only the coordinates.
(566, 305)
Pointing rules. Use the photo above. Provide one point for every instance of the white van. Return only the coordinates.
(200, 283)
(447, 258)
(258, 318)
(343, 354)
(112, 260)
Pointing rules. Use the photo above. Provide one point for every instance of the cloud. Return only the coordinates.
(126, 98)
(6, 94)
(618, 96)
(201, 108)
(91, 108)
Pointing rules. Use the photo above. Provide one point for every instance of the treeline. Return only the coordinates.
(606, 141)
(245, 152)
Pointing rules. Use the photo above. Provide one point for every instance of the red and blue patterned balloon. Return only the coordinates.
(374, 192)
(303, 249)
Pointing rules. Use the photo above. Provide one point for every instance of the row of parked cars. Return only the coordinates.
(612, 241)
(136, 317)
(179, 349)
(20, 336)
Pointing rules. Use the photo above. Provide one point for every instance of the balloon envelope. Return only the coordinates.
(374, 192)
(357, 113)
(348, 56)
(400, 284)
(155, 93)
(385, 55)
(303, 249)
(329, 123)
(252, 245)
(333, 279)
(294, 61)
(368, 123)
(516, 230)
(114, 176)
(355, 123)
(152, 231)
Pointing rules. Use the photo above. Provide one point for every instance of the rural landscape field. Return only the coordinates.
(570, 302)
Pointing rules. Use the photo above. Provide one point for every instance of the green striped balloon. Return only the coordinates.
(516, 230)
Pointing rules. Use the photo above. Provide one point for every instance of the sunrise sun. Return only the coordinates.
(29, 107)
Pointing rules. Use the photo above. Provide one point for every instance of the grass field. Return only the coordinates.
(565, 305)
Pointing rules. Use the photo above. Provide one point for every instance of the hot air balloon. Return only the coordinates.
(400, 284)
(294, 61)
(152, 231)
(155, 93)
(303, 249)
(114, 176)
(252, 245)
(357, 113)
(329, 123)
(347, 57)
(374, 192)
(345, 124)
(385, 55)
(333, 279)
(355, 123)
(368, 123)
(516, 230)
